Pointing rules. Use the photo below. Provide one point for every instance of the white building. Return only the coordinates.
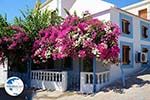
(141, 9)
(134, 45)
(3, 73)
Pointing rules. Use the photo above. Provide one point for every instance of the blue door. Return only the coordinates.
(73, 81)
(74, 78)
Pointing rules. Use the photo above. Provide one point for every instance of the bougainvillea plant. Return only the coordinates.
(45, 44)
(16, 40)
(75, 37)
(78, 37)
(16, 45)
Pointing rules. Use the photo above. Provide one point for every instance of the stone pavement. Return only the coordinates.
(51, 95)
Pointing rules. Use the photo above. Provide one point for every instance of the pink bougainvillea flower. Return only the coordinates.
(78, 37)
(82, 54)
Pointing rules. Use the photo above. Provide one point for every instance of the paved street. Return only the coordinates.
(138, 88)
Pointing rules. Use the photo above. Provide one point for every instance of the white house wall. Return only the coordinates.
(104, 17)
(92, 6)
(3, 73)
(113, 15)
(78, 6)
(115, 71)
(53, 5)
(135, 8)
(137, 42)
(66, 4)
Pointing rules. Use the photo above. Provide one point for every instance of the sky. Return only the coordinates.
(12, 7)
(122, 3)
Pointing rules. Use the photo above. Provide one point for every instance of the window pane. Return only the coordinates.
(126, 55)
(125, 26)
(144, 31)
(143, 13)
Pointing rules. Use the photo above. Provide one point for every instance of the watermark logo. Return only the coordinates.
(14, 86)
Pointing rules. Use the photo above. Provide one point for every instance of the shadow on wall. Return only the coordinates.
(130, 81)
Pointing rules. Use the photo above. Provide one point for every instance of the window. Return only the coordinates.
(126, 54)
(143, 13)
(125, 26)
(144, 31)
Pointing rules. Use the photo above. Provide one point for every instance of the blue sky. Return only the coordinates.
(122, 3)
(12, 7)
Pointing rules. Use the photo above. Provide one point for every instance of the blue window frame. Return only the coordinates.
(130, 63)
(126, 24)
(145, 31)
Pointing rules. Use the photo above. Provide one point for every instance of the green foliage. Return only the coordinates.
(36, 19)
(4, 31)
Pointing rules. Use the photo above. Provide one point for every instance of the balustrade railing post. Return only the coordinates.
(64, 80)
(83, 81)
(89, 80)
(102, 81)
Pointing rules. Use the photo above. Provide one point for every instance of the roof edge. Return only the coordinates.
(45, 3)
(135, 5)
(131, 14)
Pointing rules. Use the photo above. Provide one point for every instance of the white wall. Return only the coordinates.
(51, 6)
(80, 6)
(3, 73)
(135, 9)
(92, 6)
(66, 4)
(113, 15)
(115, 70)
(103, 15)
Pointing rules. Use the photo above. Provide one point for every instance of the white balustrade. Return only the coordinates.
(86, 83)
(49, 80)
(47, 76)
(101, 78)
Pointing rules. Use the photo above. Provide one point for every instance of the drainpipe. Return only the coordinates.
(123, 76)
(94, 75)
